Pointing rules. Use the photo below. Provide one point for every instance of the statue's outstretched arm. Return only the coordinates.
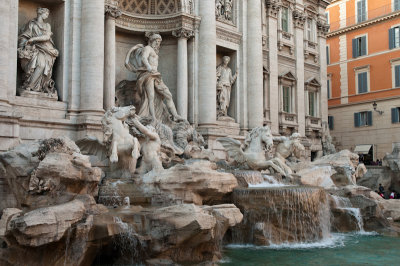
(145, 130)
(281, 138)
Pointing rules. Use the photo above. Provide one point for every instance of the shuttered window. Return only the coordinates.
(331, 122)
(397, 76)
(363, 119)
(312, 103)
(286, 92)
(394, 37)
(361, 10)
(328, 88)
(285, 19)
(396, 5)
(362, 82)
(359, 46)
(395, 115)
(327, 56)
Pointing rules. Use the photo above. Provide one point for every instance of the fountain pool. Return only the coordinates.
(341, 249)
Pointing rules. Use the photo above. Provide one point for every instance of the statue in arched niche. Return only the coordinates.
(37, 54)
(225, 80)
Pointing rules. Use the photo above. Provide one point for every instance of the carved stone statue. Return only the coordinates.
(150, 147)
(253, 152)
(155, 97)
(225, 80)
(37, 54)
(224, 10)
(327, 146)
(119, 145)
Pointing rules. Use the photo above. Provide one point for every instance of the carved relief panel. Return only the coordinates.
(224, 10)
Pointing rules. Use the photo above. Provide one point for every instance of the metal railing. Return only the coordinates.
(370, 14)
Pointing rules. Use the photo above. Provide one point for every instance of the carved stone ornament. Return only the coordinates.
(323, 28)
(273, 7)
(224, 10)
(112, 11)
(225, 80)
(299, 18)
(37, 53)
(183, 33)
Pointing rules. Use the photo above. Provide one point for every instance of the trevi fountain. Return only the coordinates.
(178, 132)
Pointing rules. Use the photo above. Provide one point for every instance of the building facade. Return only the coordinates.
(277, 49)
(364, 75)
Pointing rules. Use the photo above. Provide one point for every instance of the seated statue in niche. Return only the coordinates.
(155, 97)
(225, 80)
(37, 54)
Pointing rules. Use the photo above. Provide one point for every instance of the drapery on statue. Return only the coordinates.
(225, 80)
(155, 97)
(37, 54)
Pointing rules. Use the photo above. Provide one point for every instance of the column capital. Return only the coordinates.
(273, 7)
(299, 18)
(323, 28)
(111, 10)
(183, 33)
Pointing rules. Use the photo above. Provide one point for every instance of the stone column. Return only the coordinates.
(322, 31)
(298, 20)
(92, 58)
(207, 63)
(112, 13)
(4, 59)
(254, 64)
(182, 76)
(272, 17)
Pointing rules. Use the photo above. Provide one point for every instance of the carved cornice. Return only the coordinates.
(183, 33)
(323, 28)
(169, 23)
(273, 7)
(228, 35)
(112, 11)
(299, 18)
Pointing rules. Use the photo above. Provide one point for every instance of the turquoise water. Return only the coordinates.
(341, 249)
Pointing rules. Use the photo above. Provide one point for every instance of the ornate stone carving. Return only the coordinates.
(228, 35)
(112, 11)
(322, 27)
(225, 80)
(299, 18)
(273, 7)
(37, 54)
(224, 10)
(183, 33)
(151, 89)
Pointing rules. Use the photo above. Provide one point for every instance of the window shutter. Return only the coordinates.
(354, 42)
(359, 10)
(369, 118)
(363, 45)
(397, 76)
(330, 122)
(356, 119)
(395, 115)
(391, 38)
(327, 55)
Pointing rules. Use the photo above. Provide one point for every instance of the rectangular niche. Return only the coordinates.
(27, 10)
(233, 63)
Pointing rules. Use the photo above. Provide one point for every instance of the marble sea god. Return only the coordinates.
(225, 80)
(253, 152)
(119, 145)
(155, 97)
(37, 54)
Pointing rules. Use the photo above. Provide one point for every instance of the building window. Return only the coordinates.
(287, 99)
(396, 5)
(397, 76)
(396, 115)
(359, 46)
(328, 60)
(312, 104)
(394, 37)
(362, 82)
(310, 30)
(361, 10)
(362, 119)
(328, 88)
(285, 19)
(330, 122)
(327, 17)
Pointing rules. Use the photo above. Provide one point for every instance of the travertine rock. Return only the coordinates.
(391, 208)
(319, 176)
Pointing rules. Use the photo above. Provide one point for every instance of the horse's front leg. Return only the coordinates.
(114, 152)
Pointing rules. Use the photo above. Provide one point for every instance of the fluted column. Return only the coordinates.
(92, 57)
(207, 63)
(182, 74)
(322, 31)
(254, 64)
(4, 59)
(112, 13)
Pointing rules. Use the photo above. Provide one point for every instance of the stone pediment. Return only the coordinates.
(288, 76)
(313, 82)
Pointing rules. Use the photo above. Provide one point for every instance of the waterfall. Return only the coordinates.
(281, 215)
(345, 204)
(67, 241)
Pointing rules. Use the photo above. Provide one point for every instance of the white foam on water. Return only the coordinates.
(118, 182)
(266, 184)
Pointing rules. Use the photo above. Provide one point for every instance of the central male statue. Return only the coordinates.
(143, 60)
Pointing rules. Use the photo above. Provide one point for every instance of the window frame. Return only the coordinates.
(356, 10)
(366, 45)
(394, 63)
(394, 5)
(365, 116)
(288, 19)
(331, 122)
(395, 115)
(360, 70)
(328, 54)
(313, 112)
(392, 43)
(329, 87)
(289, 99)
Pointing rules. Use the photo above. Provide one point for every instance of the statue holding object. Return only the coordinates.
(225, 80)
(37, 54)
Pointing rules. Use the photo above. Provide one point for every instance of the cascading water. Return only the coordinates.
(281, 215)
(345, 204)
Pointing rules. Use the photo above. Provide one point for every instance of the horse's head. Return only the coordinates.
(259, 138)
(296, 145)
(122, 113)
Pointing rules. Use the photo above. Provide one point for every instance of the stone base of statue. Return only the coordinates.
(39, 95)
(224, 127)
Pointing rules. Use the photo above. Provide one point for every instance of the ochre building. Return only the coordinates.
(364, 75)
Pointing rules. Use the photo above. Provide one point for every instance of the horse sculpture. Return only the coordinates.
(253, 152)
(119, 145)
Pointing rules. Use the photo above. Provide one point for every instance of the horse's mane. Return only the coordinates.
(107, 126)
(254, 133)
